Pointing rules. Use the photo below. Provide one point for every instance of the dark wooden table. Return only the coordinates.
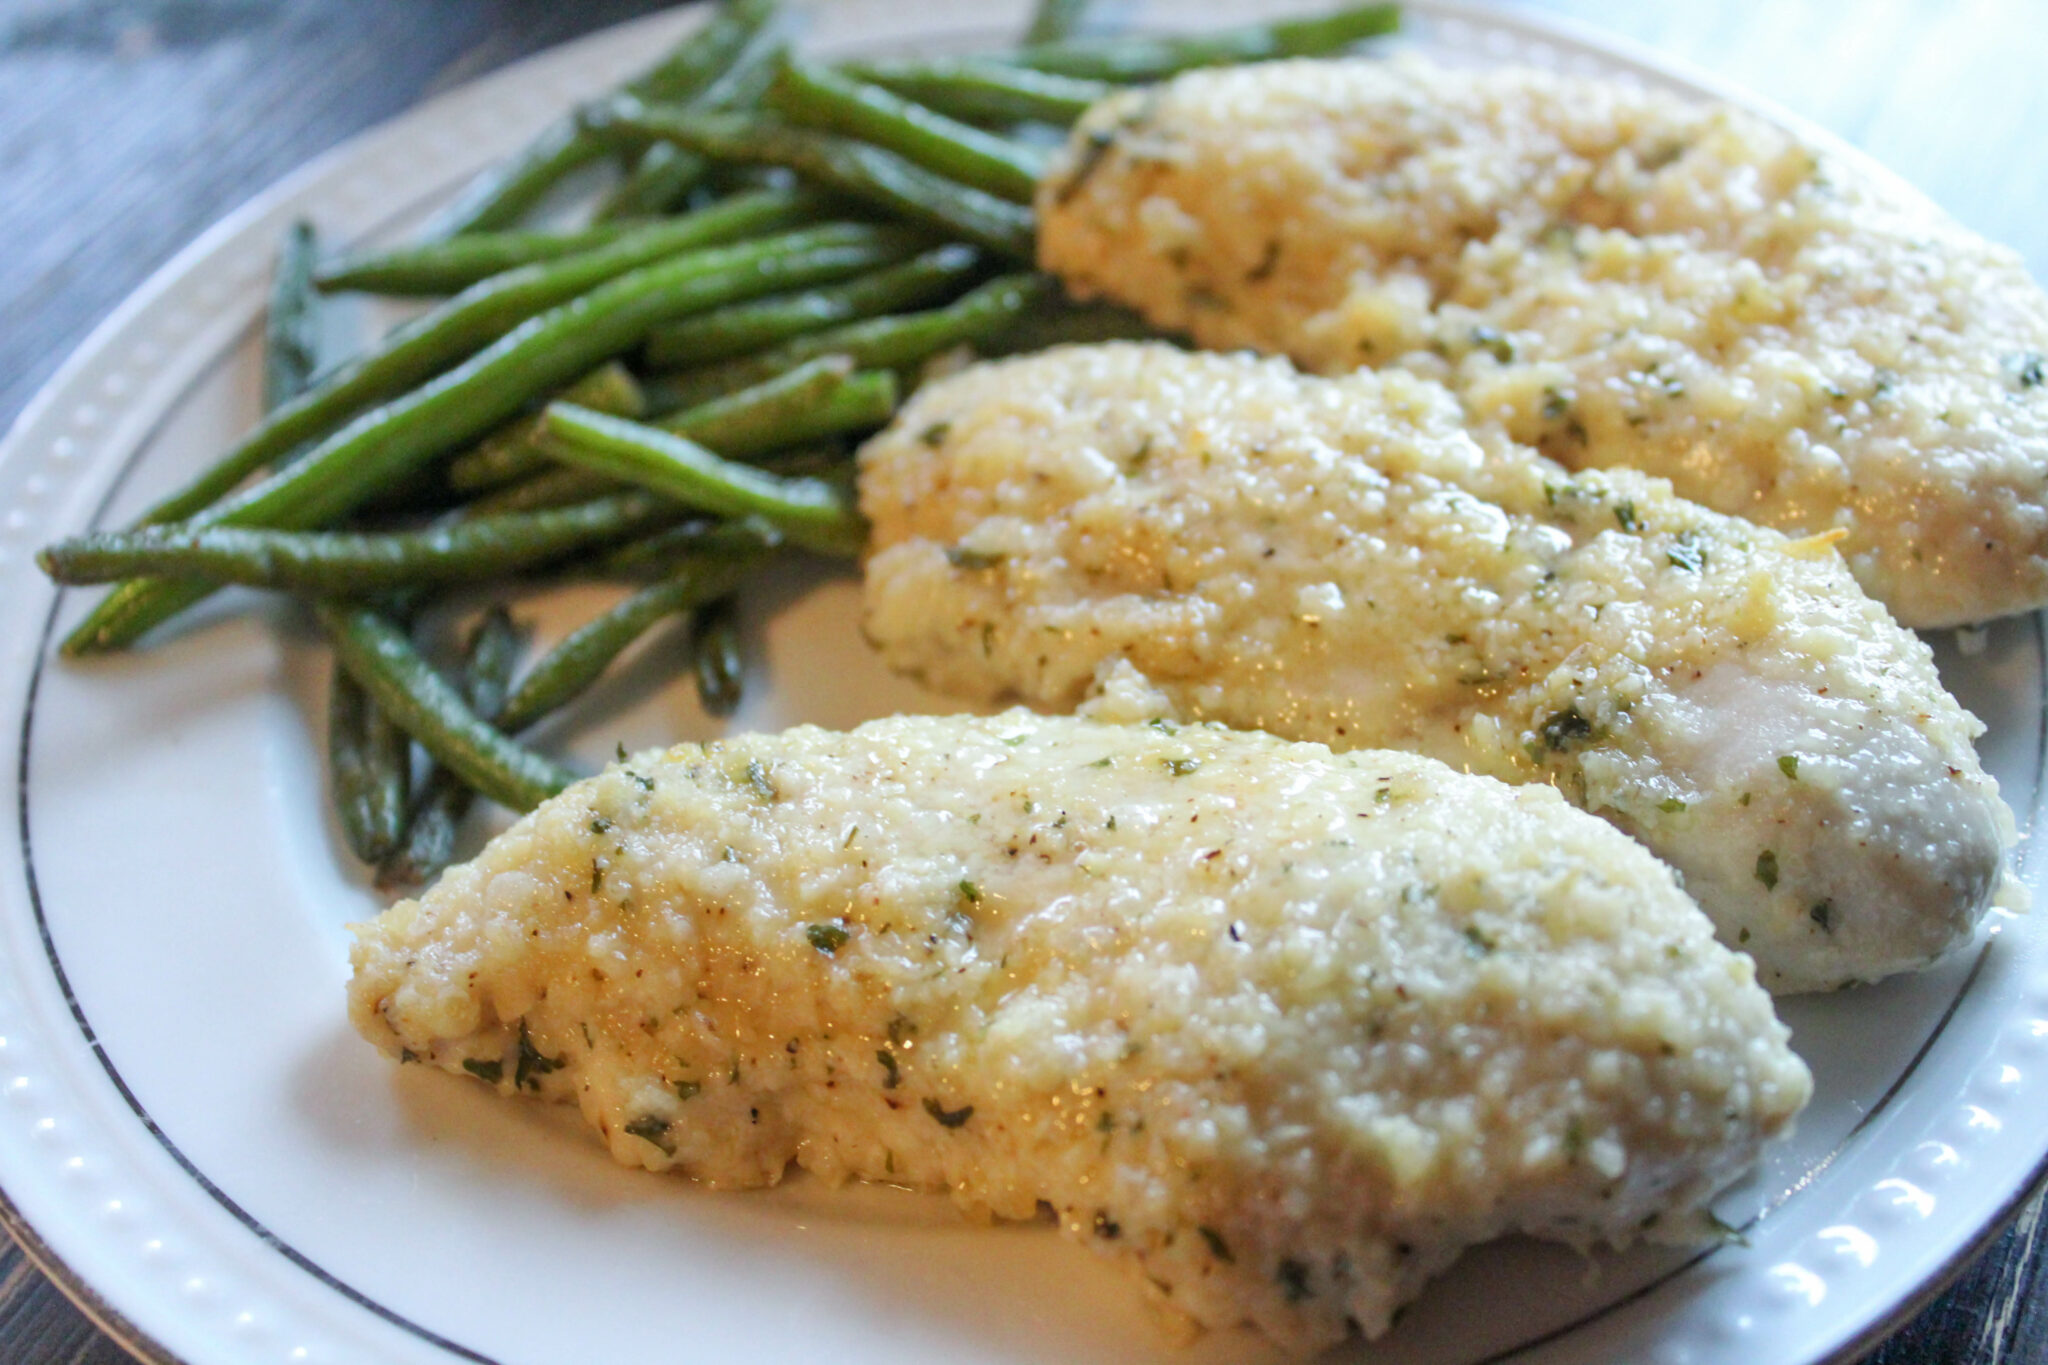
(127, 126)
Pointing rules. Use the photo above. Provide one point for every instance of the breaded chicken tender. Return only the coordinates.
(1341, 560)
(1258, 1019)
(1610, 273)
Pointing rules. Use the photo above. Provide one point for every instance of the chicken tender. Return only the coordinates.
(1611, 273)
(1341, 560)
(1257, 1018)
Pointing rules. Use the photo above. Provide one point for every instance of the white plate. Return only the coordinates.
(194, 1143)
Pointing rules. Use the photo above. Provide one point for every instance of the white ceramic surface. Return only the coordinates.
(194, 1142)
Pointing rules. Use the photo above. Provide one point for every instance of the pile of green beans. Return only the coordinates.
(662, 394)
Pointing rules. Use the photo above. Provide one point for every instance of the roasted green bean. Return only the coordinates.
(665, 173)
(886, 342)
(424, 704)
(1140, 59)
(816, 399)
(571, 666)
(818, 97)
(869, 173)
(291, 328)
(986, 91)
(542, 353)
(811, 512)
(513, 451)
(716, 659)
(503, 194)
(438, 268)
(746, 327)
(1055, 20)
(357, 563)
(442, 799)
(368, 767)
(472, 320)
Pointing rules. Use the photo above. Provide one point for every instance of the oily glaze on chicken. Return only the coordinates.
(1342, 560)
(1610, 273)
(1259, 1019)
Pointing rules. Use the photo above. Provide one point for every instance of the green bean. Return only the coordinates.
(868, 173)
(1072, 324)
(887, 342)
(810, 512)
(1055, 20)
(816, 399)
(503, 194)
(428, 844)
(867, 400)
(665, 173)
(715, 654)
(571, 666)
(437, 268)
(977, 89)
(780, 411)
(473, 319)
(369, 762)
(820, 397)
(656, 556)
(557, 486)
(423, 703)
(662, 176)
(542, 353)
(356, 563)
(818, 97)
(291, 329)
(513, 451)
(1139, 59)
(745, 327)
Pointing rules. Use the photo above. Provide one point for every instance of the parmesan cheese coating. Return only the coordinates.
(1609, 273)
(1341, 560)
(1262, 1020)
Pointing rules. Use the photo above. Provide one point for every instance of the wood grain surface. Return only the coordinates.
(128, 126)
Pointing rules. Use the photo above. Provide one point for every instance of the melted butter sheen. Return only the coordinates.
(1610, 273)
(1288, 1056)
(1341, 560)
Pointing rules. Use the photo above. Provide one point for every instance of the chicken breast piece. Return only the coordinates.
(1259, 1019)
(1610, 273)
(1340, 560)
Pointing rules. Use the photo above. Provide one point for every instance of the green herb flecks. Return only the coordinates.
(1767, 869)
(1686, 553)
(533, 1064)
(827, 938)
(1182, 767)
(888, 1061)
(1626, 518)
(962, 557)
(758, 779)
(1823, 914)
(1566, 728)
(492, 1071)
(948, 1118)
(648, 1128)
(1788, 764)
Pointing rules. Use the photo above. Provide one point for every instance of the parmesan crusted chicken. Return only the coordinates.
(1610, 273)
(1342, 560)
(1262, 1020)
